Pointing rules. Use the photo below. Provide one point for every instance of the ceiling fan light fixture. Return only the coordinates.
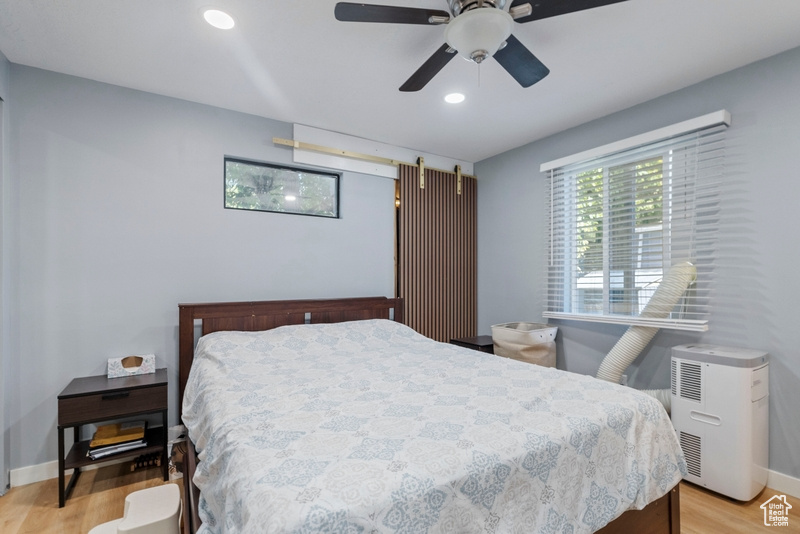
(478, 34)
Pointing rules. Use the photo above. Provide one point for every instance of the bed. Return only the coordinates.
(332, 416)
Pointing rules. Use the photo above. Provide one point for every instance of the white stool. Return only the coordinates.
(154, 510)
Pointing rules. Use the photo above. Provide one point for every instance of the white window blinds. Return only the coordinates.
(622, 214)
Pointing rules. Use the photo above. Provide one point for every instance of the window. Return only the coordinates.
(258, 186)
(622, 214)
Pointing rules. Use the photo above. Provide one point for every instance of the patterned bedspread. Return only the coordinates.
(368, 426)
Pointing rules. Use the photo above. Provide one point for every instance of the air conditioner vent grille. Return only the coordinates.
(691, 446)
(691, 381)
(674, 377)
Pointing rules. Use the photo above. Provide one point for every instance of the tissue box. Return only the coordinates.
(131, 365)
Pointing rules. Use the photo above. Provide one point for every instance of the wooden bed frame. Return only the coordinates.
(659, 517)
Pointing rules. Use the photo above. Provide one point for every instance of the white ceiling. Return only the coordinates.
(291, 60)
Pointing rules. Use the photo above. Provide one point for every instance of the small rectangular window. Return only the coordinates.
(251, 185)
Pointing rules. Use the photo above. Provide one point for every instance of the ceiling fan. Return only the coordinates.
(476, 29)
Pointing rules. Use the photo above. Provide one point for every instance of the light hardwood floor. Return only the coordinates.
(100, 493)
(705, 512)
(98, 496)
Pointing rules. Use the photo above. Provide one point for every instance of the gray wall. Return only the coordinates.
(5, 68)
(120, 218)
(757, 291)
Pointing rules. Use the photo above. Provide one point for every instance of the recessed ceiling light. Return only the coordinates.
(454, 98)
(218, 19)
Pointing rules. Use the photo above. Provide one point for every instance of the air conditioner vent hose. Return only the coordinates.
(636, 338)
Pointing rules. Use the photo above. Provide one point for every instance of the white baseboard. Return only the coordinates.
(34, 473)
(48, 470)
(784, 483)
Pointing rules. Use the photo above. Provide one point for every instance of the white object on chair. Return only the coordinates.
(154, 510)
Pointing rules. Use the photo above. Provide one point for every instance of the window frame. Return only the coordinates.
(335, 176)
(562, 298)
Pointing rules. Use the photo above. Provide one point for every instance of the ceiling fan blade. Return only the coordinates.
(520, 62)
(429, 69)
(350, 12)
(543, 9)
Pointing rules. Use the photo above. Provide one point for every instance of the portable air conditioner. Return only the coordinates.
(720, 411)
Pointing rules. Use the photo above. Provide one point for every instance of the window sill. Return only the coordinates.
(672, 324)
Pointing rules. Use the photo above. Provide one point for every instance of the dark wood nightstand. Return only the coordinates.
(93, 399)
(481, 343)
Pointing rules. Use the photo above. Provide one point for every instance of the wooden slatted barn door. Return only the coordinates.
(437, 253)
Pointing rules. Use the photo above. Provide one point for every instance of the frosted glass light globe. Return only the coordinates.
(477, 34)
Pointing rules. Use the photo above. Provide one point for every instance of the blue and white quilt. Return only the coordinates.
(367, 426)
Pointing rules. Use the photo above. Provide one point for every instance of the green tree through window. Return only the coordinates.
(619, 213)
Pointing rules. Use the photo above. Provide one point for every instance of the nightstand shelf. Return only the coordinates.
(76, 457)
(95, 399)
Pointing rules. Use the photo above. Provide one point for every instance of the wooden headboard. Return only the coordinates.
(268, 314)
(262, 315)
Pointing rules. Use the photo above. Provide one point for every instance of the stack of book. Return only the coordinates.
(117, 437)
